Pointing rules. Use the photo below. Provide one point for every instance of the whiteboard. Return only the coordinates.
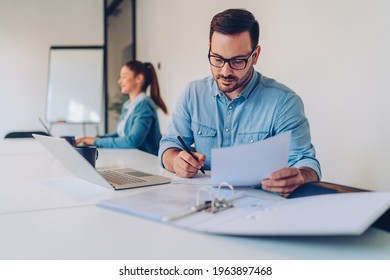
(75, 85)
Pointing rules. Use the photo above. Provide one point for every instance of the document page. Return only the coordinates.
(198, 179)
(173, 200)
(248, 164)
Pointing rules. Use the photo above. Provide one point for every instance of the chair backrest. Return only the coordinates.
(24, 134)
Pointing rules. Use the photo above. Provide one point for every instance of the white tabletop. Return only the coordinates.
(37, 181)
(94, 233)
(46, 213)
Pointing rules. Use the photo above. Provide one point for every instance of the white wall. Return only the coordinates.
(27, 30)
(334, 54)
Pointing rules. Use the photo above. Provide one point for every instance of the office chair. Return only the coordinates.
(24, 134)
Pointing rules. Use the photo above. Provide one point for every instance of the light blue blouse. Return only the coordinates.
(142, 130)
(206, 118)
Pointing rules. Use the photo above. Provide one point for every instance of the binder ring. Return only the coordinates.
(221, 203)
(224, 184)
(204, 189)
(216, 204)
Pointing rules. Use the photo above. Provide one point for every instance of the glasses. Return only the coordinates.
(234, 63)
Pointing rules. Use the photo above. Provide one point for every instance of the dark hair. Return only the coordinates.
(150, 76)
(235, 21)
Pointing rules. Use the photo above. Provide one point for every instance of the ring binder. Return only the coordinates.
(219, 203)
(202, 210)
(213, 205)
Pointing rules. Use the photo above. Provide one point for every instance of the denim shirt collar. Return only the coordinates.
(247, 90)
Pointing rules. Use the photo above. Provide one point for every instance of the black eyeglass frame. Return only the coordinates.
(230, 59)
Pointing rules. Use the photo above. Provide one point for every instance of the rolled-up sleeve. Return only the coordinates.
(180, 125)
(291, 117)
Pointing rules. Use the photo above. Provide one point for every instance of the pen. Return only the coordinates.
(188, 151)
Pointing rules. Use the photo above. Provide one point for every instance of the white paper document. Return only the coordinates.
(198, 179)
(248, 164)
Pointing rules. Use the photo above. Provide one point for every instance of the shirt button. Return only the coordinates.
(227, 129)
(230, 107)
(199, 132)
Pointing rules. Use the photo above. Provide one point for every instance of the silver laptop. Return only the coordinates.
(118, 179)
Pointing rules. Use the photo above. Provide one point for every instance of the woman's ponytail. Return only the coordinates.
(151, 79)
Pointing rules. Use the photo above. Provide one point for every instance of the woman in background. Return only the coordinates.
(138, 125)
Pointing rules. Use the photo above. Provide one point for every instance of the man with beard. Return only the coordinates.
(238, 105)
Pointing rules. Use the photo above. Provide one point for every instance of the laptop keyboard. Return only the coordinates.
(119, 178)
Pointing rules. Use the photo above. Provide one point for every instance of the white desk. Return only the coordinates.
(37, 181)
(45, 213)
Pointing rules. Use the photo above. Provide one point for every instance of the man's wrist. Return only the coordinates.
(308, 174)
(168, 157)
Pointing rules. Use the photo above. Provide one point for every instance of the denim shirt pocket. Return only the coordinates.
(204, 136)
(251, 137)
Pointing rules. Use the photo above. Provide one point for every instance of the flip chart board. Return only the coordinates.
(75, 85)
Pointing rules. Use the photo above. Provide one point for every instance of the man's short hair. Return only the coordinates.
(236, 21)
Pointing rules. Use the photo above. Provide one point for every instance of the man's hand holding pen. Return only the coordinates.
(187, 166)
(188, 163)
(183, 162)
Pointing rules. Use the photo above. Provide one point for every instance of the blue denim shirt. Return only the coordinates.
(142, 130)
(207, 119)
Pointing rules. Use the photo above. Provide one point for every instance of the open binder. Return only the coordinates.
(246, 211)
(319, 187)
